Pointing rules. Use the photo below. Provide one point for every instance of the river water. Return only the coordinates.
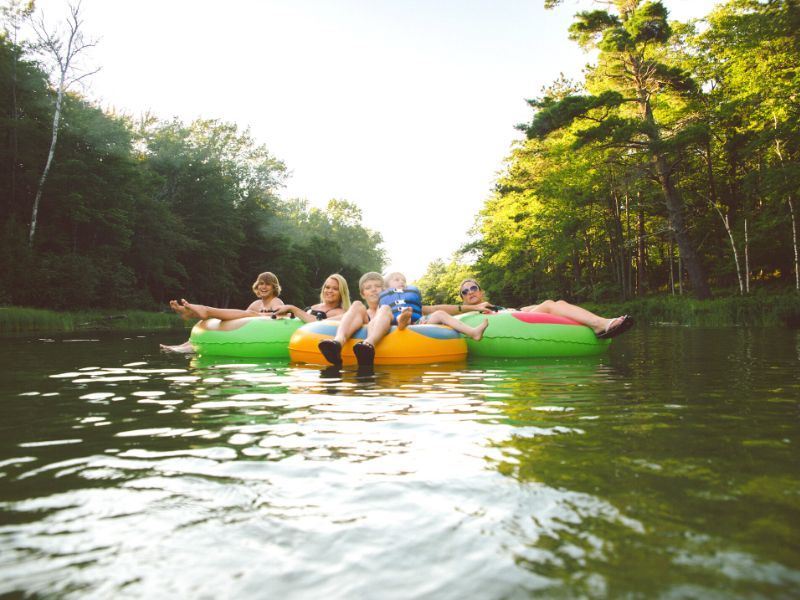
(667, 468)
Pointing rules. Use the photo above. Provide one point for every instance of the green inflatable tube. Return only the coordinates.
(516, 334)
(249, 337)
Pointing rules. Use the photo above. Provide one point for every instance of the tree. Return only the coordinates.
(63, 54)
(750, 63)
(639, 105)
(15, 14)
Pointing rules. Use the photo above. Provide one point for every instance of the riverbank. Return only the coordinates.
(776, 309)
(20, 319)
(773, 309)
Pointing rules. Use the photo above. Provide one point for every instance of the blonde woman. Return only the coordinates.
(334, 300)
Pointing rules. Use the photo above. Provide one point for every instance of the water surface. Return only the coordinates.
(667, 468)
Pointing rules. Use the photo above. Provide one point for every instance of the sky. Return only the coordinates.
(406, 108)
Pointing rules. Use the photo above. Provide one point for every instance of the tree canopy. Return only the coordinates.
(674, 165)
(135, 212)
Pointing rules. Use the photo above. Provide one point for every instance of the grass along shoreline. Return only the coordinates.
(760, 310)
(775, 309)
(14, 319)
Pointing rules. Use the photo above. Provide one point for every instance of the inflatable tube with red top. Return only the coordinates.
(517, 334)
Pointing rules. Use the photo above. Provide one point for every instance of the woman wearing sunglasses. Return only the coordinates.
(472, 295)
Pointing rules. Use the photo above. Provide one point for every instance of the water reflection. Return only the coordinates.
(667, 468)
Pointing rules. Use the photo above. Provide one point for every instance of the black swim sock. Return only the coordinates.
(331, 350)
(365, 354)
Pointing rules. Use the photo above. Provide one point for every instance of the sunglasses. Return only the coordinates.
(469, 290)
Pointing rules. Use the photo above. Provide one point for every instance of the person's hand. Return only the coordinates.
(484, 307)
(283, 310)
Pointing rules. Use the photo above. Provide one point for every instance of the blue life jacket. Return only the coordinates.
(399, 298)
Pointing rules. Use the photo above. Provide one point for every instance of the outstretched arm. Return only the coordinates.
(454, 309)
(291, 309)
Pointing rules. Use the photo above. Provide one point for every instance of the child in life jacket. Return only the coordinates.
(405, 302)
(400, 304)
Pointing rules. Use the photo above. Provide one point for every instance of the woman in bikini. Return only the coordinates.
(334, 300)
(604, 328)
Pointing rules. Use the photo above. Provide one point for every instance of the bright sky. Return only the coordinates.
(405, 107)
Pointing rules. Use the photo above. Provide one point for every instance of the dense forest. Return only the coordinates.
(674, 167)
(136, 211)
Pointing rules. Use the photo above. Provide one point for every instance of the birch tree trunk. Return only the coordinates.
(63, 58)
(726, 222)
(794, 245)
(746, 258)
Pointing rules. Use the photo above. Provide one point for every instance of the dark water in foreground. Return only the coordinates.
(668, 468)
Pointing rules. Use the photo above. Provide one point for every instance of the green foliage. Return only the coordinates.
(553, 115)
(589, 25)
(648, 23)
(136, 213)
(440, 283)
(614, 130)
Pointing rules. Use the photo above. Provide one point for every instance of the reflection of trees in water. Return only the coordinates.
(683, 431)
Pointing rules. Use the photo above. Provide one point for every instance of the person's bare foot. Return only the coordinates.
(182, 311)
(184, 348)
(478, 335)
(198, 311)
(404, 318)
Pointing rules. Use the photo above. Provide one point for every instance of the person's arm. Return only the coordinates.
(454, 309)
(450, 309)
(291, 309)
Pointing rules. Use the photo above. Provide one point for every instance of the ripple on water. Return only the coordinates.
(511, 479)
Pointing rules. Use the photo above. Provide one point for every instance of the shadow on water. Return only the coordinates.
(666, 468)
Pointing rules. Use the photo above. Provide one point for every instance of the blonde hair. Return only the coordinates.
(344, 291)
(391, 276)
(371, 276)
(269, 278)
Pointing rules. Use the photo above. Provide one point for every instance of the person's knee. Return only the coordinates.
(547, 305)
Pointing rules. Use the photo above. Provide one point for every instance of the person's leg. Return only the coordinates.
(183, 312)
(442, 318)
(352, 320)
(561, 308)
(377, 329)
(202, 312)
(184, 348)
(603, 327)
(404, 318)
(379, 326)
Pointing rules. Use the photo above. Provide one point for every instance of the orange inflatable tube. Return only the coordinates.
(414, 345)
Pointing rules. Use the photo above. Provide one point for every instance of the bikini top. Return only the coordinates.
(320, 315)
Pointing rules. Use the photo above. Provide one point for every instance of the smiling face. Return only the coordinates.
(264, 289)
(266, 286)
(471, 292)
(371, 290)
(330, 292)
